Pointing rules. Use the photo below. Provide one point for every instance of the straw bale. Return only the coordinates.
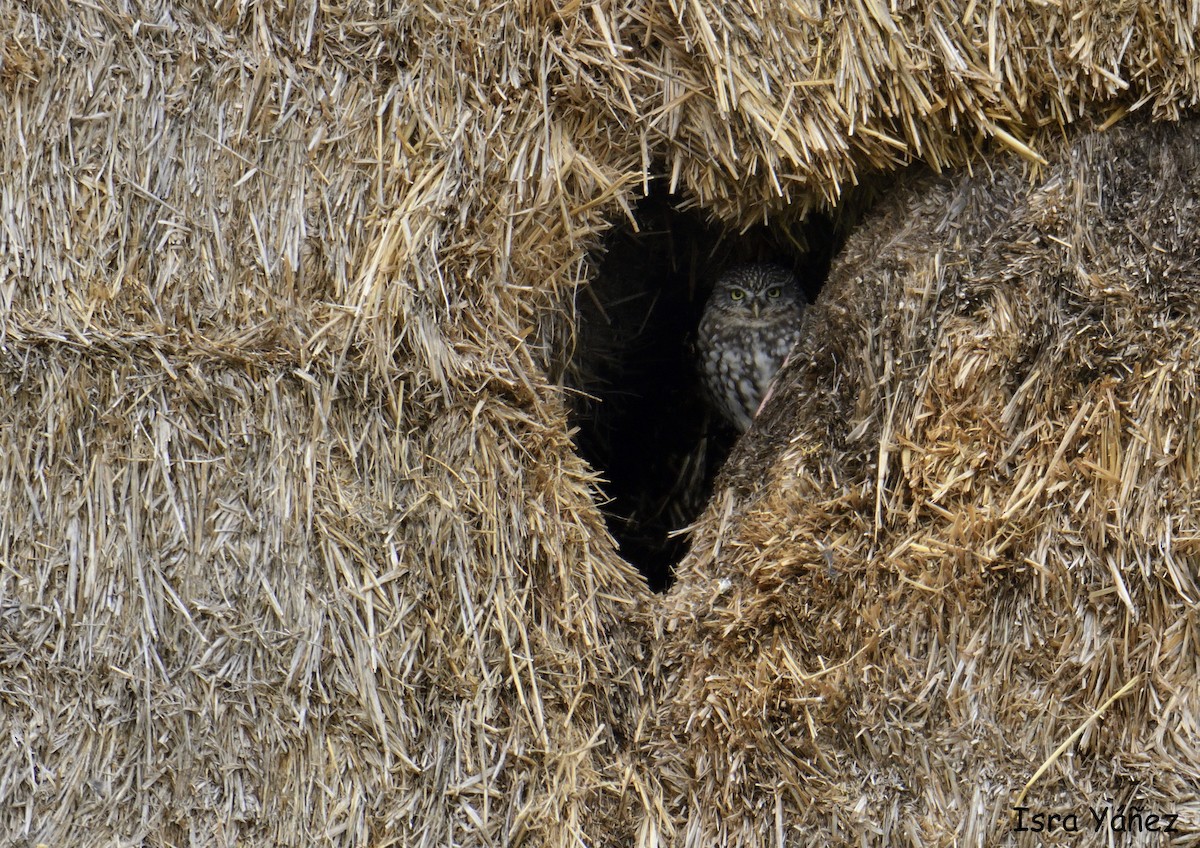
(965, 528)
(792, 102)
(295, 546)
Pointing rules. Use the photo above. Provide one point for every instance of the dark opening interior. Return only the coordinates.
(642, 418)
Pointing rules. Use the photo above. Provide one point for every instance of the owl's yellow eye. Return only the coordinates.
(736, 294)
(774, 291)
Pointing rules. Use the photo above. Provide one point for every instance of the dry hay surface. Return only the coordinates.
(966, 528)
(294, 546)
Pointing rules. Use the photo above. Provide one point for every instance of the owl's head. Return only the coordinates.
(757, 291)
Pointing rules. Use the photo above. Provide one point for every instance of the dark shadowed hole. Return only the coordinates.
(642, 419)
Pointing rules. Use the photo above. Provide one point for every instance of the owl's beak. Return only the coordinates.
(754, 308)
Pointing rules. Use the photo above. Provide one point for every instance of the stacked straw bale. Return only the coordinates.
(966, 531)
(295, 548)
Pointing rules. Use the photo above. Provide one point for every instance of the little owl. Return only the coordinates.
(749, 326)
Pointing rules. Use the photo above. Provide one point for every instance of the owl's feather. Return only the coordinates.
(749, 326)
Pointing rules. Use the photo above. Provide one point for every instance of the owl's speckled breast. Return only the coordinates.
(749, 326)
